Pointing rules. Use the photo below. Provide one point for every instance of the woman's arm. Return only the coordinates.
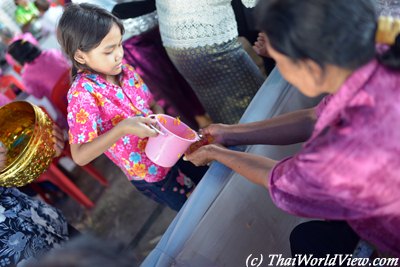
(285, 129)
(253, 167)
(84, 153)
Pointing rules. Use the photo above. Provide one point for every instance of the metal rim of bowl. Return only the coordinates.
(30, 150)
(30, 138)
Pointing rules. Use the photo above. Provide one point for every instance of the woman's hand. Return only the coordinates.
(3, 156)
(59, 141)
(260, 46)
(204, 155)
(139, 126)
(218, 132)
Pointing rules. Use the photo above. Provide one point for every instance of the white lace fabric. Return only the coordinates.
(194, 23)
(139, 25)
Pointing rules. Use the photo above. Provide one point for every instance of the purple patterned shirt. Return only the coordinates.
(350, 167)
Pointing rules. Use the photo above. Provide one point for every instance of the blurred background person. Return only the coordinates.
(42, 69)
(48, 15)
(25, 14)
(201, 40)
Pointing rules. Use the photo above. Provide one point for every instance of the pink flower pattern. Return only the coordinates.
(95, 106)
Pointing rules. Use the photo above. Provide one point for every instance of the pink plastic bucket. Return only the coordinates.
(173, 140)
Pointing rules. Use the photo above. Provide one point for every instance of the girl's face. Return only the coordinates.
(105, 59)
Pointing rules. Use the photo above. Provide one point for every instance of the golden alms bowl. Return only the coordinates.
(26, 132)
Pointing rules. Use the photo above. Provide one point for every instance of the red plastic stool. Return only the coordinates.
(88, 167)
(7, 81)
(58, 178)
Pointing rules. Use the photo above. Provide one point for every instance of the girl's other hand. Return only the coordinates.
(138, 126)
(260, 46)
(59, 141)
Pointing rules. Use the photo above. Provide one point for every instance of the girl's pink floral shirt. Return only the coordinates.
(95, 106)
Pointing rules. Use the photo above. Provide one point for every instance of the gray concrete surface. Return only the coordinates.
(121, 213)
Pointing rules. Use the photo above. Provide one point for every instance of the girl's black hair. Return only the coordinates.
(23, 51)
(83, 27)
(336, 32)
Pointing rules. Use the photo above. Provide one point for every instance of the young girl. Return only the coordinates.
(109, 104)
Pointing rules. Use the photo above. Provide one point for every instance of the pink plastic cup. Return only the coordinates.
(173, 140)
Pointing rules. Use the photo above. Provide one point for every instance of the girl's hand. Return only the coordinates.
(59, 141)
(202, 156)
(260, 46)
(138, 126)
(3, 156)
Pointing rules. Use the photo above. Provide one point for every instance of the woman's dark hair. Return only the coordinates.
(391, 58)
(83, 27)
(336, 32)
(23, 51)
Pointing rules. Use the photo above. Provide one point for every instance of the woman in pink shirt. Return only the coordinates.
(42, 69)
(348, 171)
(8, 37)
